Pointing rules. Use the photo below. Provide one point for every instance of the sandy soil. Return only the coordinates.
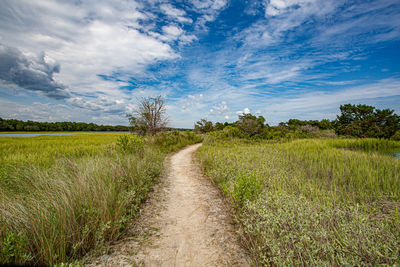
(185, 223)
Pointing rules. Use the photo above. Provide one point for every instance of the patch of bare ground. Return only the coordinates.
(185, 222)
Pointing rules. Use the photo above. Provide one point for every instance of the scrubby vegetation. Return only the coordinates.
(354, 121)
(312, 202)
(61, 196)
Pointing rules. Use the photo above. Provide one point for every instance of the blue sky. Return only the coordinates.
(90, 60)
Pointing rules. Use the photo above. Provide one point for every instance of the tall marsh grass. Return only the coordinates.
(312, 202)
(72, 194)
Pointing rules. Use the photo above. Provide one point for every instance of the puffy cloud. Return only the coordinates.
(88, 38)
(244, 111)
(34, 72)
(172, 31)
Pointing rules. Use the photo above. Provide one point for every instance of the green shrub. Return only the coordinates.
(247, 187)
(232, 132)
(129, 143)
(170, 141)
(13, 248)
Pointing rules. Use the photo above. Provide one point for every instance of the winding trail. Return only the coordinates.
(192, 221)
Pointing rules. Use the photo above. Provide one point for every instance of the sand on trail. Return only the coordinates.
(192, 222)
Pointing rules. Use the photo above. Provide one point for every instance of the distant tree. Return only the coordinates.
(219, 126)
(366, 121)
(251, 125)
(308, 130)
(293, 124)
(11, 125)
(150, 116)
(325, 124)
(203, 126)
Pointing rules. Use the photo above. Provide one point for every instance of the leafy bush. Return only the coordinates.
(130, 143)
(246, 188)
(169, 141)
(232, 132)
(13, 248)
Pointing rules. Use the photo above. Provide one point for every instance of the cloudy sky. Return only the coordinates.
(89, 60)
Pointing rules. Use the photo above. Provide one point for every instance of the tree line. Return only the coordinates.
(354, 120)
(33, 126)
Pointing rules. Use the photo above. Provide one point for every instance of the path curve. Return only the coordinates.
(194, 225)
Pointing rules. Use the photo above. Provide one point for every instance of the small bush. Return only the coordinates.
(129, 143)
(13, 248)
(232, 132)
(310, 130)
(170, 141)
(246, 188)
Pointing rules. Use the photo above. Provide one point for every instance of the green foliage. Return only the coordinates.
(170, 141)
(13, 248)
(366, 121)
(355, 121)
(250, 125)
(232, 132)
(292, 124)
(61, 196)
(321, 201)
(245, 188)
(130, 143)
(204, 126)
(32, 126)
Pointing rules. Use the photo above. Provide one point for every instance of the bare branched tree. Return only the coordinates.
(149, 116)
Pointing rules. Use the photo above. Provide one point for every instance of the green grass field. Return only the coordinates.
(61, 196)
(312, 202)
(44, 150)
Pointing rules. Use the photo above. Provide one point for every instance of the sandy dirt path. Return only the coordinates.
(191, 221)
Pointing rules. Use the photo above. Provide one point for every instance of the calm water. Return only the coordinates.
(396, 155)
(38, 134)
